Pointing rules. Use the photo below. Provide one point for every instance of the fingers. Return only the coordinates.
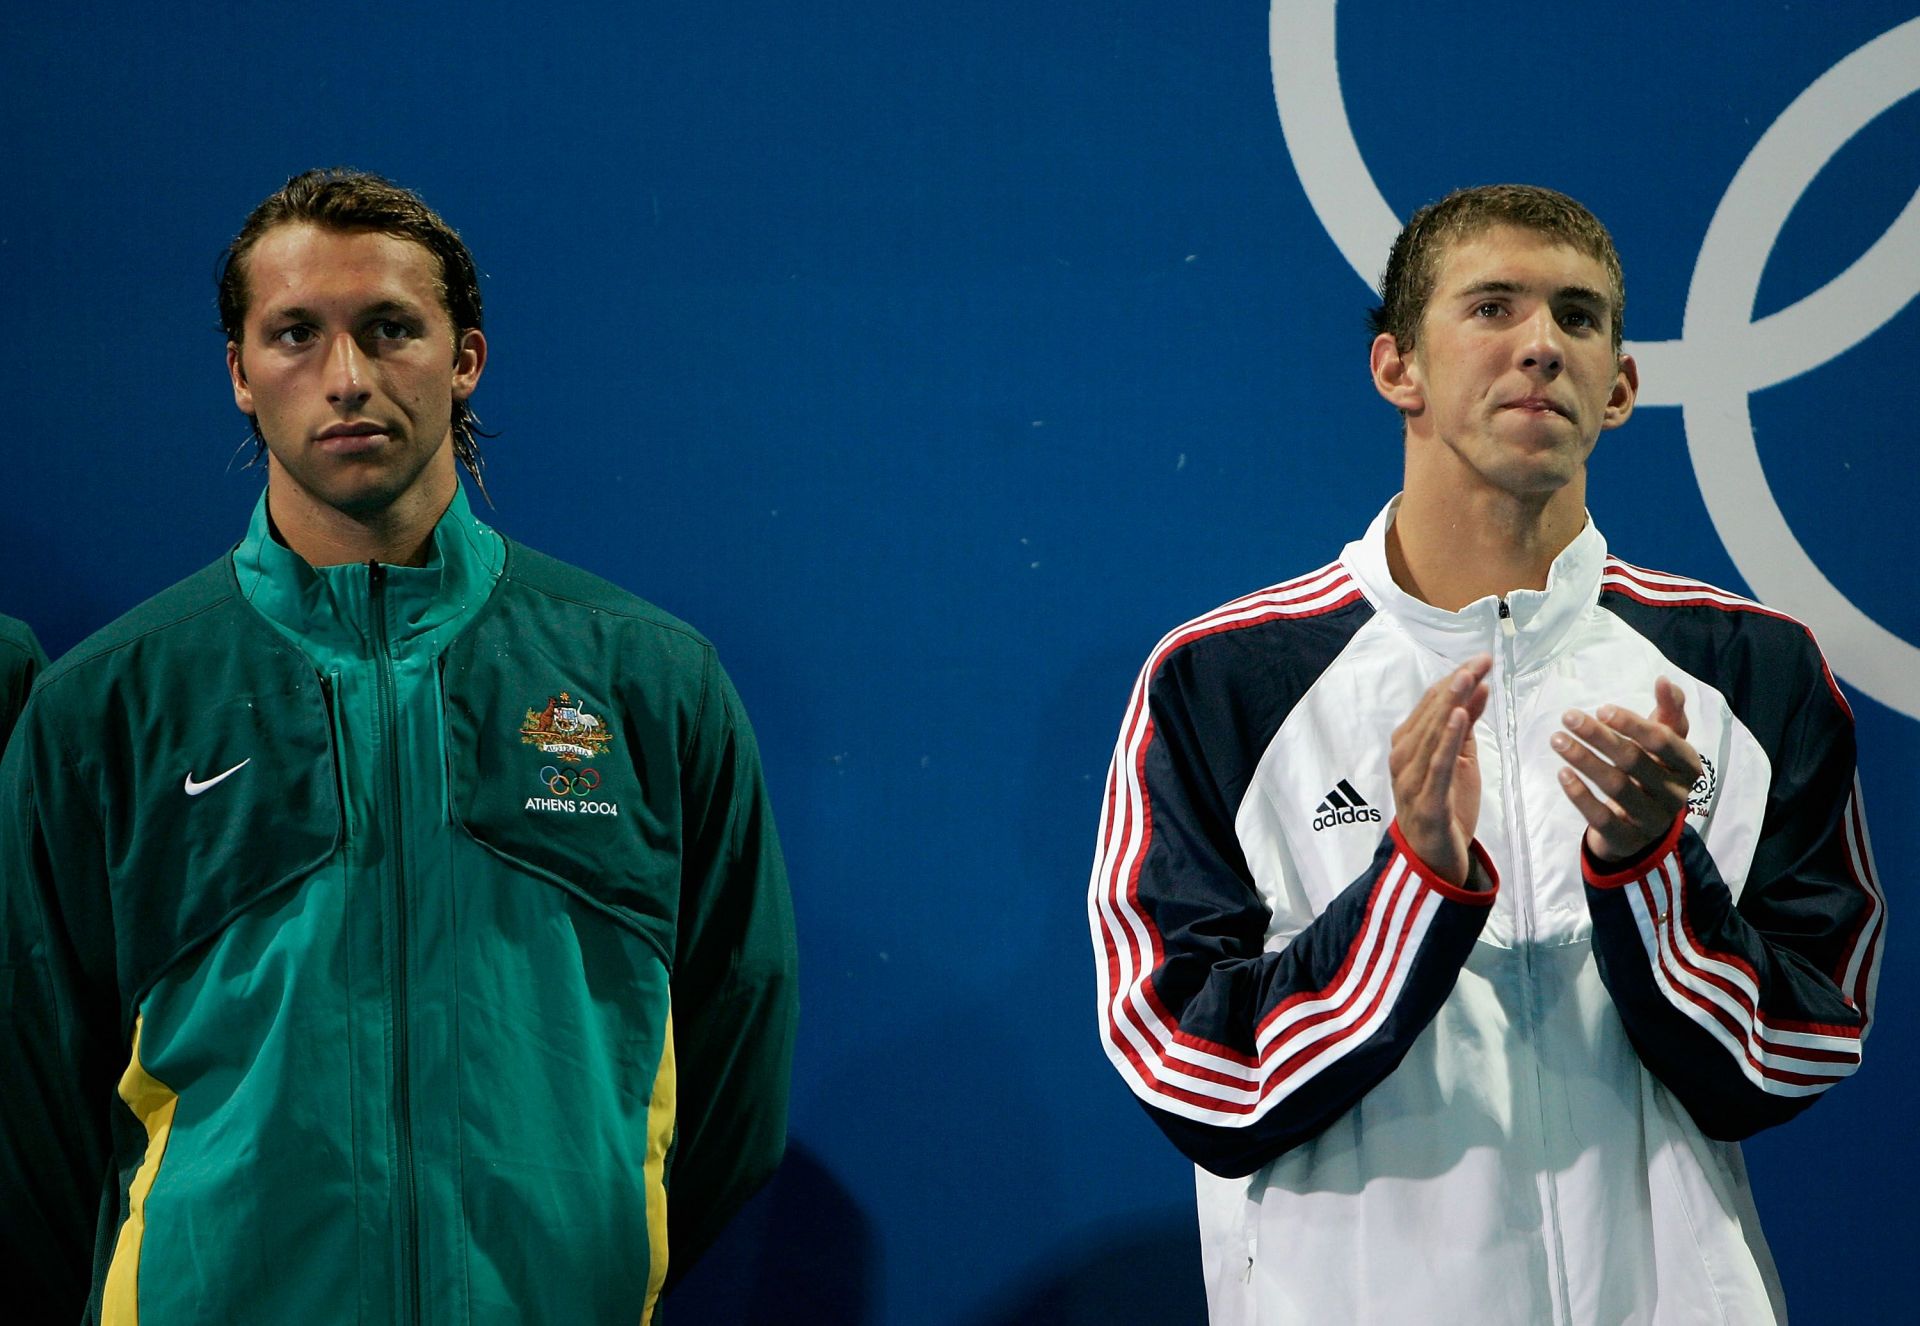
(1610, 835)
(1669, 706)
(1440, 765)
(1640, 786)
(1623, 735)
(1414, 741)
(1475, 703)
(1623, 820)
(1628, 776)
(1644, 752)
(1593, 810)
(1425, 761)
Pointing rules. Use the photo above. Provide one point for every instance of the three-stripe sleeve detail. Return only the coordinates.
(1308, 1030)
(1661, 590)
(1717, 988)
(1859, 974)
(1852, 961)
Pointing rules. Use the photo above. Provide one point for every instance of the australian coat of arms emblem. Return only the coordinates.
(564, 730)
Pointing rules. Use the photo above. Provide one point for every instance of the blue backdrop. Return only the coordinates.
(934, 359)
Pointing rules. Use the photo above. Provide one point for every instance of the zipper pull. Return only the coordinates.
(1506, 621)
(377, 601)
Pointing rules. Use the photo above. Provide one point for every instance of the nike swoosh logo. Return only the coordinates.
(194, 789)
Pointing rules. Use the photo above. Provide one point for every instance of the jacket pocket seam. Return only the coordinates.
(621, 916)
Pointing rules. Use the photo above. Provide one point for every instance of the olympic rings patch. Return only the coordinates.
(569, 791)
(570, 782)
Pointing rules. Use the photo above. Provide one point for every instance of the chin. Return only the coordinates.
(361, 488)
(364, 506)
(359, 500)
(1537, 480)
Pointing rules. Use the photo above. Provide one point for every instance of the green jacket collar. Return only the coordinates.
(328, 610)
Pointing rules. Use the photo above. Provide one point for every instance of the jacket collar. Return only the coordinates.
(1543, 619)
(328, 610)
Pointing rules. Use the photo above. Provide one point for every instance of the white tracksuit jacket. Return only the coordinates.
(1411, 1103)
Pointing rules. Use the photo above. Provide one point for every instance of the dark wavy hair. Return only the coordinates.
(354, 200)
(1414, 265)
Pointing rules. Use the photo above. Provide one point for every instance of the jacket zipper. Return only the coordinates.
(329, 685)
(1510, 744)
(402, 1005)
(1523, 937)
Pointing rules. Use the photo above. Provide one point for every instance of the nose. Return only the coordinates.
(1542, 347)
(345, 373)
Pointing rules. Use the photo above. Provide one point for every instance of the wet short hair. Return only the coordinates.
(1406, 288)
(354, 201)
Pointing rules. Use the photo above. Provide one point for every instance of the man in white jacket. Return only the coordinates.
(1459, 904)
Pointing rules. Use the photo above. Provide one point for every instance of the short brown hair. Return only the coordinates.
(1414, 265)
(351, 201)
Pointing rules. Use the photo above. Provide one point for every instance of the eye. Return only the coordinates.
(1489, 308)
(298, 334)
(388, 330)
(1579, 318)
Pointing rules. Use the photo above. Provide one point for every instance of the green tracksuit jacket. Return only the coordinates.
(384, 944)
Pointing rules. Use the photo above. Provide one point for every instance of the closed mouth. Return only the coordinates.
(1539, 404)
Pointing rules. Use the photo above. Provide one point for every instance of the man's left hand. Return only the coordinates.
(1628, 776)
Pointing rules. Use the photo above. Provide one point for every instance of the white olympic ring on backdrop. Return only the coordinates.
(1722, 355)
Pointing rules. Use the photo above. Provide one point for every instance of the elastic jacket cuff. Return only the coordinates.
(1612, 874)
(1483, 881)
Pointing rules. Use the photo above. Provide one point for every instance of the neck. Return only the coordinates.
(1449, 547)
(399, 534)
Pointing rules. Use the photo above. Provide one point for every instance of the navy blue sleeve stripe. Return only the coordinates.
(1855, 967)
(1860, 977)
(1139, 1033)
(1657, 589)
(1267, 1024)
(1747, 1001)
(1347, 997)
(1312, 1029)
(1719, 989)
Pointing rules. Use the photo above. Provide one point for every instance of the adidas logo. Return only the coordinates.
(1343, 805)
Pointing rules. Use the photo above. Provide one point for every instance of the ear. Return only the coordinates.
(1396, 376)
(469, 361)
(242, 393)
(1626, 387)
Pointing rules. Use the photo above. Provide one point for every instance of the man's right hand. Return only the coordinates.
(1436, 770)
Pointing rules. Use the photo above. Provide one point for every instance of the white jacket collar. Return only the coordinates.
(1543, 619)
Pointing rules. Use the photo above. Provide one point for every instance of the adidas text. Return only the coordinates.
(1347, 815)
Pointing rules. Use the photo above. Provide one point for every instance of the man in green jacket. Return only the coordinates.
(392, 926)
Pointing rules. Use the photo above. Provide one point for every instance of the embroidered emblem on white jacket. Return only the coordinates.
(1700, 796)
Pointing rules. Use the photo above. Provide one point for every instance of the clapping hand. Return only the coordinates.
(1436, 770)
(1628, 776)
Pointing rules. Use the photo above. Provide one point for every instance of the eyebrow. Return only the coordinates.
(1577, 293)
(300, 313)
